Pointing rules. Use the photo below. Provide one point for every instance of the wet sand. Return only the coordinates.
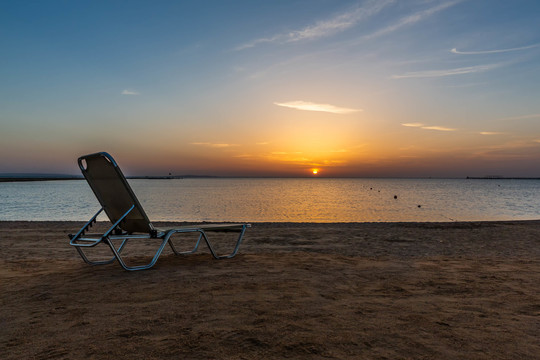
(301, 291)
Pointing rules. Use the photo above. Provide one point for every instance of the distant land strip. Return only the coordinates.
(56, 178)
(32, 178)
(500, 178)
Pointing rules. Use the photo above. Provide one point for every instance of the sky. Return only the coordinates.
(386, 88)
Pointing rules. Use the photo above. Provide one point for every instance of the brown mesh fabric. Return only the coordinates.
(113, 192)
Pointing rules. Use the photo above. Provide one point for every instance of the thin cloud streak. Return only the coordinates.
(490, 133)
(438, 128)
(447, 72)
(130, 92)
(325, 28)
(412, 19)
(309, 106)
(425, 127)
(456, 51)
(214, 145)
(339, 23)
(413, 124)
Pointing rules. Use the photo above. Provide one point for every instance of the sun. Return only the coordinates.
(315, 171)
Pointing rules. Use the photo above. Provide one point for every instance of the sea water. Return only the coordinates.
(286, 200)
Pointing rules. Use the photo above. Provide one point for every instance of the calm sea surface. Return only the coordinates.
(287, 200)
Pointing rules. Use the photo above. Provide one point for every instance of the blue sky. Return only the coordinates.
(352, 88)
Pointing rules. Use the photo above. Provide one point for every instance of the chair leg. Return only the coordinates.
(117, 255)
(230, 255)
(176, 252)
(100, 262)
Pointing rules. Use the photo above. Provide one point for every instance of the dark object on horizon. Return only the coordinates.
(395, 196)
(419, 206)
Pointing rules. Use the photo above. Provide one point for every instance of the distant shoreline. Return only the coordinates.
(53, 178)
(60, 178)
(26, 179)
(500, 178)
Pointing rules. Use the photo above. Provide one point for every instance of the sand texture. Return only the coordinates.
(300, 291)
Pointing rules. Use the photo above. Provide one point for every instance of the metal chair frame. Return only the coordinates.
(82, 241)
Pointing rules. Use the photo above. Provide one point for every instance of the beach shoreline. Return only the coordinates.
(451, 290)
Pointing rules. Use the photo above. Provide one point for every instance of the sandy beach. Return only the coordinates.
(301, 291)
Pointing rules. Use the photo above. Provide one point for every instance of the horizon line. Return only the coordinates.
(24, 177)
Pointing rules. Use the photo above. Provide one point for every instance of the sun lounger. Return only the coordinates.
(129, 221)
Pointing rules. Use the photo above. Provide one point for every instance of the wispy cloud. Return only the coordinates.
(490, 133)
(446, 72)
(310, 106)
(130, 92)
(438, 128)
(214, 145)
(522, 117)
(327, 27)
(413, 124)
(414, 18)
(497, 51)
(426, 127)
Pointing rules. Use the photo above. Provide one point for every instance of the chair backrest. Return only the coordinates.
(113, 192)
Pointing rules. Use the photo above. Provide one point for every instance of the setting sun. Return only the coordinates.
(315, 171)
